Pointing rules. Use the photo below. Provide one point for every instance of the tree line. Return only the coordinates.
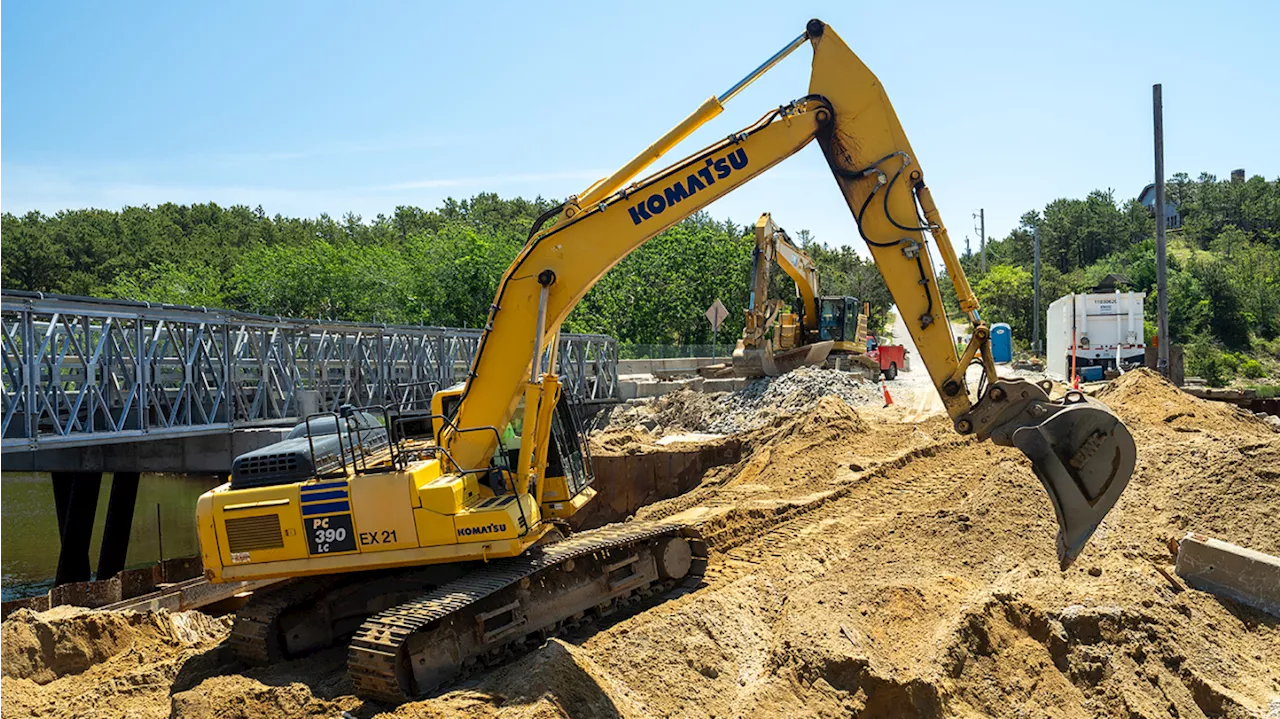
(441, 266)
(418, 267)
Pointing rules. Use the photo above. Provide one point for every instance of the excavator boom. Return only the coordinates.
(1084, 463)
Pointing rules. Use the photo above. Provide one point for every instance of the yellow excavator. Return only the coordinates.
(826, 330)
(444, 551)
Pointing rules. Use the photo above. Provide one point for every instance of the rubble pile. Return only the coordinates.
(752, 407)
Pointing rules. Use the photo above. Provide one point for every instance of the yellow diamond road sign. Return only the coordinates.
(716, 313)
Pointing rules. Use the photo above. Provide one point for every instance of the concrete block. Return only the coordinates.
(628, 389)
(1247, 576)
(728, 384)
(648, 389)
(86, 594)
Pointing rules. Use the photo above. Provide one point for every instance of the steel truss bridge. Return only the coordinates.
(80, 371)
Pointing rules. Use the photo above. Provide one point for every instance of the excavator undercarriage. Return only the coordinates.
(497, 611)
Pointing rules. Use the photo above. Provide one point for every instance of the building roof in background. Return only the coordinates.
(1148, 197)
(1111, 283)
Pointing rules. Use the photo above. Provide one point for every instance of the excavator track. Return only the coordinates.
(255, 636)
(309, 614)
(490, 614)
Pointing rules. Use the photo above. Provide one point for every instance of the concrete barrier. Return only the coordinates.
(1245, 575)
(668, 365)
(643, 386)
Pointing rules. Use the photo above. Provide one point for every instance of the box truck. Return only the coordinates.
(1103, 330)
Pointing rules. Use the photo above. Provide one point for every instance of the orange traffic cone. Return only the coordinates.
(888, 400)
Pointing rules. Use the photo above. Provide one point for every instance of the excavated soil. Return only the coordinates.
(861, 565)
(75, 662)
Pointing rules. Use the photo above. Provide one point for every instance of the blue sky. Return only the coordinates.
(315, 107)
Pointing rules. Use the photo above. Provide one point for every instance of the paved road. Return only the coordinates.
(914, 390)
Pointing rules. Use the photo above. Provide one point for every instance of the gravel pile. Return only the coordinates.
(749, 408)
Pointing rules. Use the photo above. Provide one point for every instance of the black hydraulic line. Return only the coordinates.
(862, 211)
(889, 215)
(924, 280)
(543, 219)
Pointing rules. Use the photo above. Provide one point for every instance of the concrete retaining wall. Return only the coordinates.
(667, 366)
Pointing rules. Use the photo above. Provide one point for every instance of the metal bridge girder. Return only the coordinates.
(80, 371)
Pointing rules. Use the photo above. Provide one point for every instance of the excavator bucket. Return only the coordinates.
(1084, 456)
(765, 363)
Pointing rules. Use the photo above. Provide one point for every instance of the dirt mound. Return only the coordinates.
(757, 405)
(77, 662)
(237, 696)
(1144, 399)
(796, 392)
(1204, 466)
(556, 680)
(802, 448)
(625, 440)
(43, 646)
(683, 410)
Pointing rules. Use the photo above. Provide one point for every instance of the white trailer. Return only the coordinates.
(1103, 329)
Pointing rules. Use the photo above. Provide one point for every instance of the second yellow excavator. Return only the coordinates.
(444, 551)
(826, 330)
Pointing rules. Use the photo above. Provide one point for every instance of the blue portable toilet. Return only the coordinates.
(1001, 342)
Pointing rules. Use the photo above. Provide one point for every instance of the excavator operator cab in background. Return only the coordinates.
(838, 319)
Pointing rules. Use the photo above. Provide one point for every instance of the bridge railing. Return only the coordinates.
(80, 371)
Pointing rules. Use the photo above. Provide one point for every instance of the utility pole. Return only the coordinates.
(1035, 302)
(982, 239)
(1162, 287)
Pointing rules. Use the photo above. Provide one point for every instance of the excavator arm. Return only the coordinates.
(1081, 452)
(774, 245)
(775, 342)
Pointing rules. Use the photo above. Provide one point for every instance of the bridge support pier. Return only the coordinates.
(115, 532)
(75, 495)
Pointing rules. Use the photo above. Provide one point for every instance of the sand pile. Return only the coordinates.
(861, 566)
(77, 662)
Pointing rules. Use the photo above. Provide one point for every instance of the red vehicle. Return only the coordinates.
(892, 358)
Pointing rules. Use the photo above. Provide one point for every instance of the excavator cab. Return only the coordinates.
(838, 318)
(569, 472)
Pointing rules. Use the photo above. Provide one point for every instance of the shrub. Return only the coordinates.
(1230, 362)
(1253, 369)
(1205, 361)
